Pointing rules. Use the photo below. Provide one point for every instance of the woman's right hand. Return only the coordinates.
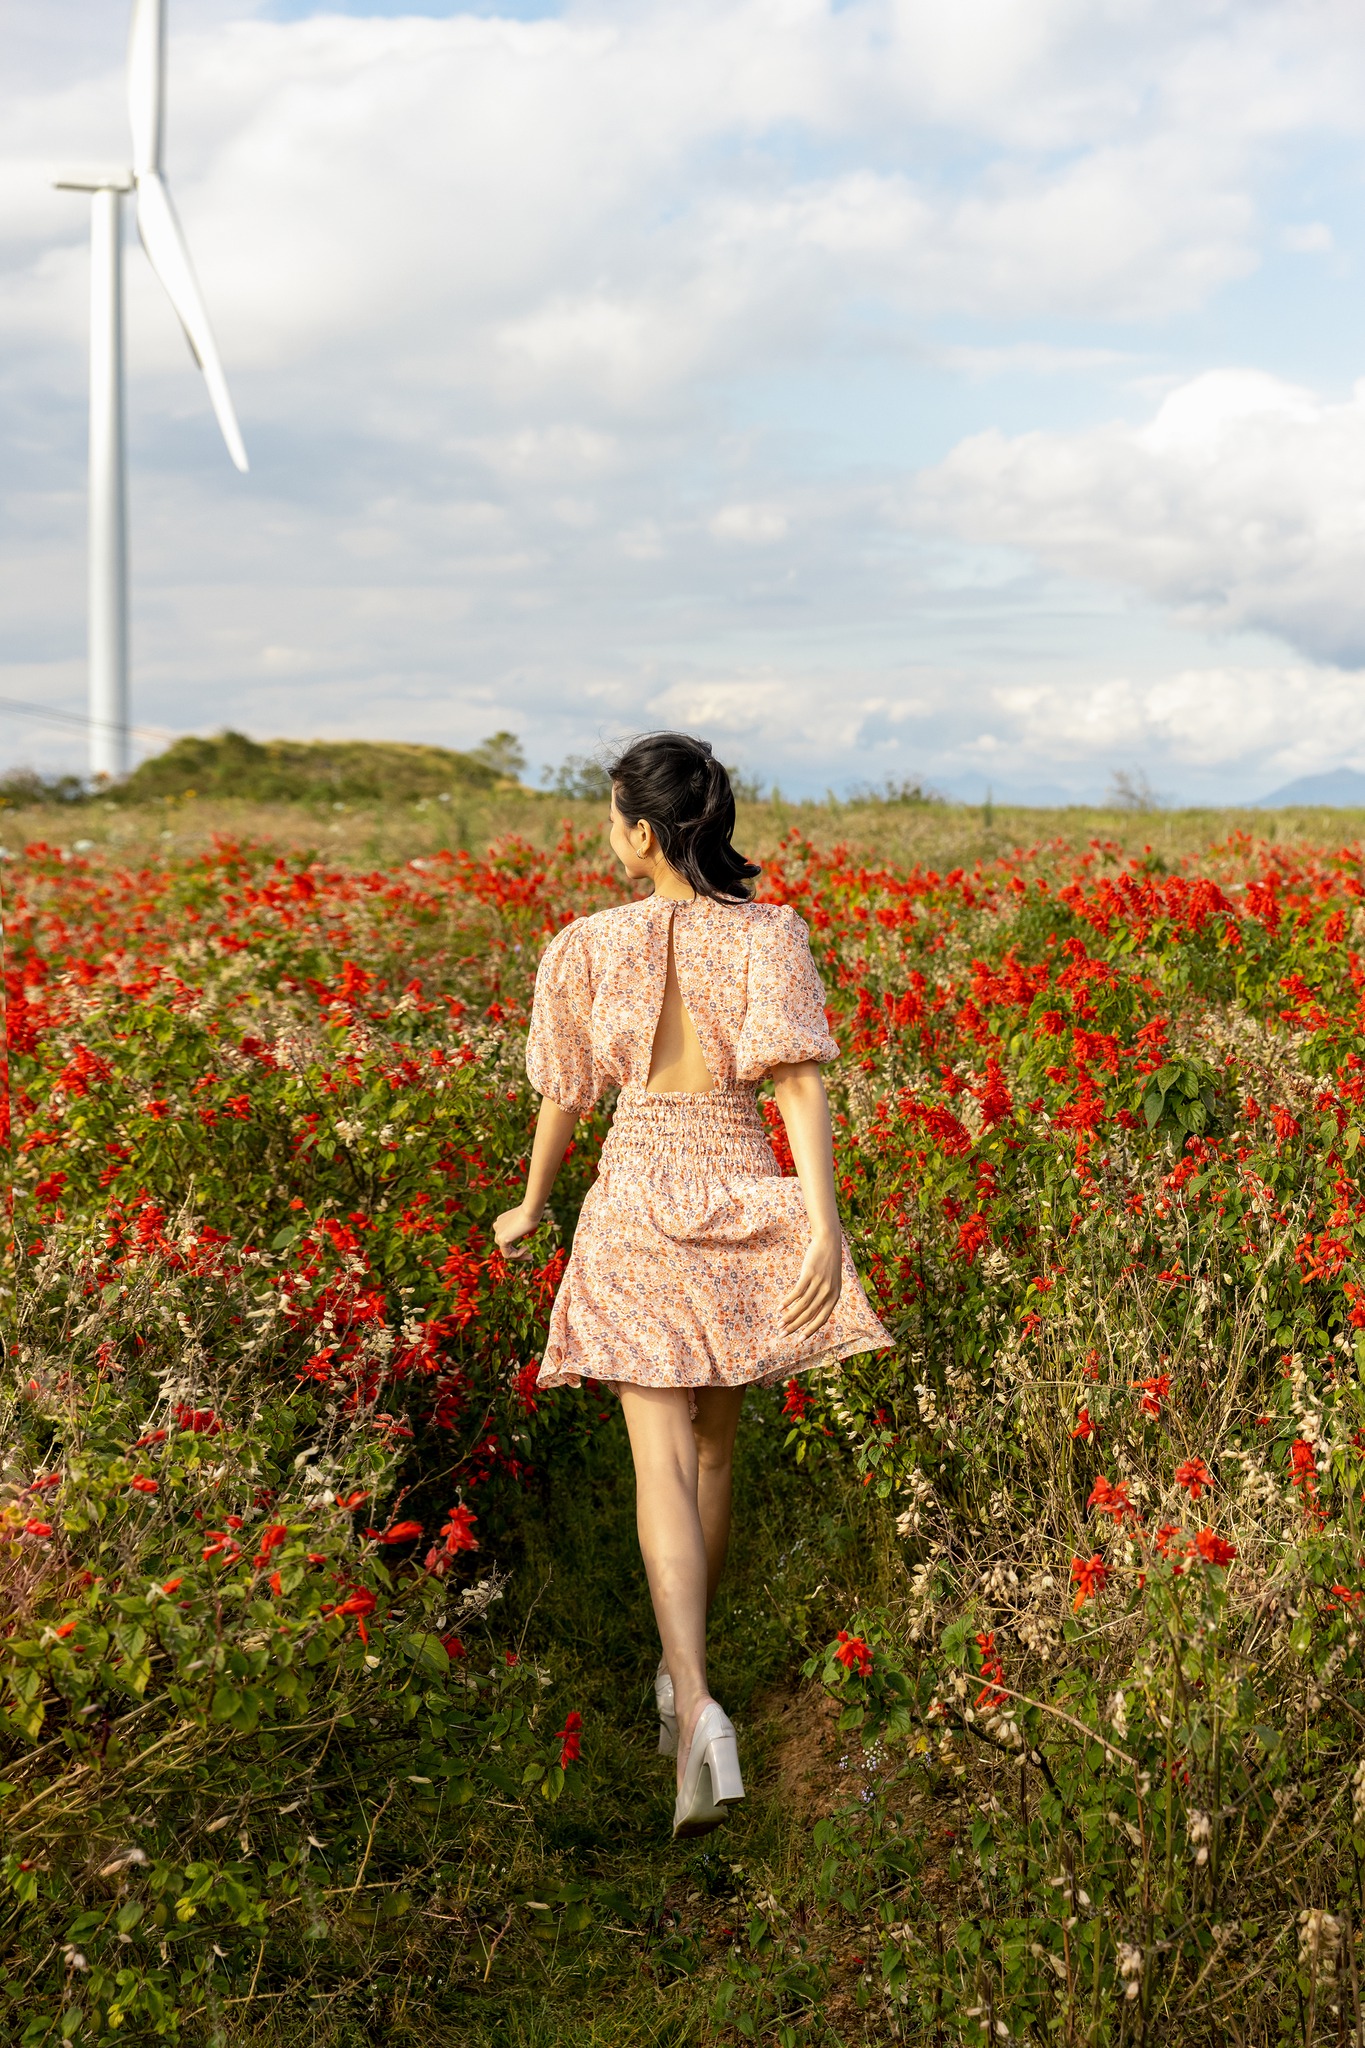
(514, 1224)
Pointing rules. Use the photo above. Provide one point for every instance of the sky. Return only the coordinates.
(889, 391)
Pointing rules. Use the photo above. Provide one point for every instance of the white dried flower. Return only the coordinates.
(1201, 1834)
(1319, 1935)
(1130, 1971)
(1118, 1716)
(1358, 1795)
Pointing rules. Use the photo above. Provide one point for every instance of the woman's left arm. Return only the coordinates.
(799, 1088)
(554, 1129)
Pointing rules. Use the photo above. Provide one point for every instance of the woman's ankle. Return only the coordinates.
(689, 1708)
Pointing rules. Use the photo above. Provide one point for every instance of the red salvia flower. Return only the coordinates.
(1195, 1476)
(201, 1421)
(458, 1530)
(271, 1540)
(1303, 1466)
(1089, 1575)
(973, 1235)
(854, 1654)
(570, 1738)
(1153, 1391)
(359, 1603)
(1108, 1499)
(1213, 1549)
(991, 1671)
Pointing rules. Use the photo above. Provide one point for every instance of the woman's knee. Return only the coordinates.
(661, 1439)
(715, 1425)
(715, 1453)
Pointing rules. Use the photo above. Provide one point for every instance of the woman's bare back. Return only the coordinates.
(676, 1065)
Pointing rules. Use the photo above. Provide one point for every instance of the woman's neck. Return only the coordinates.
(671, 886)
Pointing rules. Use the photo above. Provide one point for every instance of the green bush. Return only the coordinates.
(308, 771)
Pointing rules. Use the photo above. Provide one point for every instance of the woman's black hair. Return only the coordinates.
(678, 785)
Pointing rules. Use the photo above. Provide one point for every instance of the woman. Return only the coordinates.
(697, 1268)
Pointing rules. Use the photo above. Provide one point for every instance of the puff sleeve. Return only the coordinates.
(785, 1015)
(559, 1059)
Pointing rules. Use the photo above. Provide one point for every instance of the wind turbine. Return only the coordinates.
(164, 241)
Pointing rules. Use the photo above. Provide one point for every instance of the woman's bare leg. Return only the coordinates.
(717, 1420)
(671, 1540)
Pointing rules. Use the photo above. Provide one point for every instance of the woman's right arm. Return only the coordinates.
(554, 1129)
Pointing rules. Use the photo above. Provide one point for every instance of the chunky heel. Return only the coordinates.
(722, 1760)
(712, 1775)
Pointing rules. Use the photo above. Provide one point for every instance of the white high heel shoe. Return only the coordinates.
(711, 1780)
(668, 1714)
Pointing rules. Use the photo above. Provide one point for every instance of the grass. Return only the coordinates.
(936, 835)
(626, 1946)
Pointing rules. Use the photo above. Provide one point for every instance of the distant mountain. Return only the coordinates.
(1341, 788)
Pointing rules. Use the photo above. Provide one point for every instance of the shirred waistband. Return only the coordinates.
(720, 1127)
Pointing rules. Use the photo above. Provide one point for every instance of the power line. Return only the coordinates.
(146, 732)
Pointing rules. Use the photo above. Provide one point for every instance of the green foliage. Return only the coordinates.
(581, 776)
(25, 788)
(504, 753)
(229, 764)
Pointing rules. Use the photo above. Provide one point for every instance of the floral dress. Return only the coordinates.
(691, 1235)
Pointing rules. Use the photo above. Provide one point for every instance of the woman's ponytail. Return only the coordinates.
(677, 783)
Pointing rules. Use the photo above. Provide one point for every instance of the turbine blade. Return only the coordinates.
(164, 241)
(146, 83)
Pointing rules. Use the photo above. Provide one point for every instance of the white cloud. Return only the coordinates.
(752, 525)
(1308, 238)
(1239, 503)
(1265, 725)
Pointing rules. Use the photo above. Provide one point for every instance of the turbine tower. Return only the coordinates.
(164, 242)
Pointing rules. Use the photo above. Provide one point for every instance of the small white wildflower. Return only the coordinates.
(73, 1958)
(1118, 1716)
(1201, 1834)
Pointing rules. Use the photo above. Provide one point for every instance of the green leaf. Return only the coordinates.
(953, 1642)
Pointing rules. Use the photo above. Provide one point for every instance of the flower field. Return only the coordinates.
(1082, 1557)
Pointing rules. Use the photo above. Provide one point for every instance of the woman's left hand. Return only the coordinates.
(514, 1224)
(812, 1301)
